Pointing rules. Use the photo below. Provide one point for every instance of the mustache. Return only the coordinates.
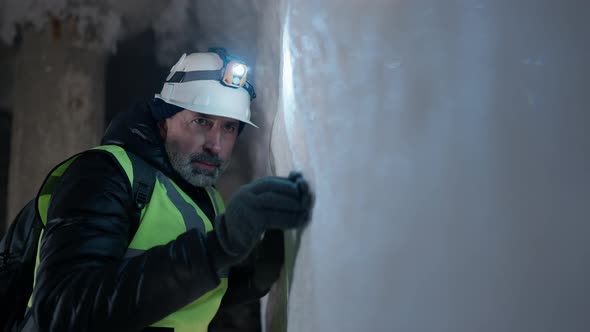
(205, 157)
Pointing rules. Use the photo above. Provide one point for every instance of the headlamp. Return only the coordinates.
(239, 69)
(234, 73)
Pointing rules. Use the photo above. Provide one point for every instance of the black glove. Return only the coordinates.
(267, 203)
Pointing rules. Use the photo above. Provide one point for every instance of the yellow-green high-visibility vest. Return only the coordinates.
(169, 213)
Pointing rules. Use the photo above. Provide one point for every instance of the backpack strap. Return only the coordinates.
(144, 180)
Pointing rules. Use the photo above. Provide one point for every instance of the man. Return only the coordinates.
(99, 272)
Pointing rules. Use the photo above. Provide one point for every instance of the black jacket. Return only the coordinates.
(85, 284)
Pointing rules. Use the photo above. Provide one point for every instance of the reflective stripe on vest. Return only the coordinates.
(169, 213)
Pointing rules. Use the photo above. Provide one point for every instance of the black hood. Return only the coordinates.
(136, 131)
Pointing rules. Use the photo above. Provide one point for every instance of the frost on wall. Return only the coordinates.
(99, 24)
(197, 25)
(170, 30)
(179, 25)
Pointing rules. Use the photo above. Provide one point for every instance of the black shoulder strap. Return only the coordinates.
(144, 179)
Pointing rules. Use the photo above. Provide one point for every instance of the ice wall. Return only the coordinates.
(447, 144)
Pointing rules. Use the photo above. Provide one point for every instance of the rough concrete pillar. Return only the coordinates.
(7, 55)
(6, 65)
(58, 107)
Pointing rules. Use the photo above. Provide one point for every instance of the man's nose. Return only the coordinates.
(213, 141)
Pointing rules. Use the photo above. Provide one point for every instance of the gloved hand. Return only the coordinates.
(267, 203)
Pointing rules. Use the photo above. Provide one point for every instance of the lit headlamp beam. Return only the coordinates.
(239, 69)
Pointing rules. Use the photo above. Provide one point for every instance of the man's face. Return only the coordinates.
(198, 145)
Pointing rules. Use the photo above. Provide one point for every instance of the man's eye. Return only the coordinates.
(201, 121)
(231, 128)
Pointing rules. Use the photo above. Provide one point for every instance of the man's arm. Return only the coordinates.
(253, 278)
(84, 283)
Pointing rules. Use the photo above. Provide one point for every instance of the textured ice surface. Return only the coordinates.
(447, 144)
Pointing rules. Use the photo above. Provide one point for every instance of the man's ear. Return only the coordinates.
(163, 126)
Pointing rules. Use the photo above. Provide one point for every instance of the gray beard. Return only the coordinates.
(197, 177)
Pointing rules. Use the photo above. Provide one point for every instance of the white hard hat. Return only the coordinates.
(195, 83)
